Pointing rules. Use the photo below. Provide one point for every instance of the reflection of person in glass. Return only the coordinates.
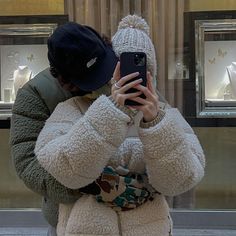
(231, 69)
(21, 75)
(97, 147)
(119, 151)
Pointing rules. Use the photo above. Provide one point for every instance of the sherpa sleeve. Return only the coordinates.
(28, 118)
(77, 148)
(173, 155)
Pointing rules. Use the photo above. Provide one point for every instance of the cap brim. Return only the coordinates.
(101, 74)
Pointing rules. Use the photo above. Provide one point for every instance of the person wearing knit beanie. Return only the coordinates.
(133, 36)
(123, 160)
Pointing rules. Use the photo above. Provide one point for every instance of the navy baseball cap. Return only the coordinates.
(79, 55)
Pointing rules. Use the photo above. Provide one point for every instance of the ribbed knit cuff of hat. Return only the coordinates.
(154, 122)
(126, 110)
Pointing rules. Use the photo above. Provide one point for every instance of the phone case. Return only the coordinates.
(128, 65)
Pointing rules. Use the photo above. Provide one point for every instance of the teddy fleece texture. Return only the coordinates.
(74, 147)
(34, 103)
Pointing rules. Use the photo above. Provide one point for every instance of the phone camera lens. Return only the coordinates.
(136, 59)
(139, 60)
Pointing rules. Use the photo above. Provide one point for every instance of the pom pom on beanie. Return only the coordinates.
(133, 36)
(134, 21)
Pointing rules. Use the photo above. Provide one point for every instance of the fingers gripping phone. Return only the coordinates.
(131, 62)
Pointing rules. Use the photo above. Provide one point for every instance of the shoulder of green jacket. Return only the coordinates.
(45, 86)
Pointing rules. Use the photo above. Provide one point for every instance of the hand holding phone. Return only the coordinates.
(146, 99)
(131, 62)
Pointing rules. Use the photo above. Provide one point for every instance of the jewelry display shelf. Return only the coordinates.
(23, 54)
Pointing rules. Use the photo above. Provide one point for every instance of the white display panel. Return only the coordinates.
(218, 56)
(20, 62)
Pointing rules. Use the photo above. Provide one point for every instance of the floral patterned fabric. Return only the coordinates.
(121, 189)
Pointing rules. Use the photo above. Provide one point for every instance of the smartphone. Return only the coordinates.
(131, 62)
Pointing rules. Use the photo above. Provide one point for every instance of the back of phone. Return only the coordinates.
(131, 62)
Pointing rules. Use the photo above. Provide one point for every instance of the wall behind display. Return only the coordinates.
(13, 193)
(31, 7)
(217, 189)
(209, 5)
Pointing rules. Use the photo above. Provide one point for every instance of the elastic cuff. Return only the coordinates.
(154, 122)
(124, 109)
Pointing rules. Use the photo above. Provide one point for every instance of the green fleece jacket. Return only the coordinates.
(34, 103)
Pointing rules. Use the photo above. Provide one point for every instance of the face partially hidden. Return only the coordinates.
(104, 90)
(76, 91)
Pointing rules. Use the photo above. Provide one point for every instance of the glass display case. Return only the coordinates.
(211, 40)
(23, 53)
(216, 67)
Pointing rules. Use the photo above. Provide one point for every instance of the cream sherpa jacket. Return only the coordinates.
(75, 145)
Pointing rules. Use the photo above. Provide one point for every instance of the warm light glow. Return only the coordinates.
(210, 5)
(31, 7)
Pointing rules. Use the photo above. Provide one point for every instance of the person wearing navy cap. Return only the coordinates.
(81, 67)
(81, 62)
(80, 56)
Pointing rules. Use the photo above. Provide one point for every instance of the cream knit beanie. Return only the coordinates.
(133, 36)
